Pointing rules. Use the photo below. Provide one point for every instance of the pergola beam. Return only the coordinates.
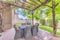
(16, 5)
(3, 2)
(44, 3)
(28, 7)
(28, 3)
(34, 2)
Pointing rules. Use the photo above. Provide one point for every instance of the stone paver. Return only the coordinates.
(8, 34)
(20, 39)
(43, 35)
(56, 38)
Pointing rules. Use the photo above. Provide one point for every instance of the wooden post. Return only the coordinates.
(32, 17)
(53, 16)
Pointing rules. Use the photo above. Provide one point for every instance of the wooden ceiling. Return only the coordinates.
(26, 4)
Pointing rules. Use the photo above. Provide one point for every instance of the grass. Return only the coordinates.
(18, 24)
(49, 29)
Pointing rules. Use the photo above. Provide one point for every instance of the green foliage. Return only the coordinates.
(42, 0)
(25, 12)
(57, 16)
(49, 29)
(50, 22)
(30, 16)
(42, 21)
(50, 3)
(57, 10)
(10, 1)
(18, 24)
(36, 15)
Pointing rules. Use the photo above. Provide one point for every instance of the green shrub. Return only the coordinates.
(42, 21)
(50, 21)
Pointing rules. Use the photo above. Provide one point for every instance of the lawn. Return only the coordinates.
(49, 29)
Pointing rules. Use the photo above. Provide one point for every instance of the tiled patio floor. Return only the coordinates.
(43, 35)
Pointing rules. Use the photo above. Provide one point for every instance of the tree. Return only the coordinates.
(53, 7)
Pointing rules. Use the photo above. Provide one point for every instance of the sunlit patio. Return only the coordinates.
(39, 20)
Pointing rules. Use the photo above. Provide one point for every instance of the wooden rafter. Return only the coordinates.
(3, 5)
(42, 4)
(11, 5)
(30, 5)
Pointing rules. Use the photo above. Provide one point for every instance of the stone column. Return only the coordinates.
(7, 17)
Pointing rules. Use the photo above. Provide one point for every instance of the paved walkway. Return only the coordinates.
(43, 35)
(8, 34)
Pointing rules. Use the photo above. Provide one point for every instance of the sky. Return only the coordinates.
(19, 12)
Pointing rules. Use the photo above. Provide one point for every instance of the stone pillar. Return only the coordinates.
(7, 17)
(13, 17)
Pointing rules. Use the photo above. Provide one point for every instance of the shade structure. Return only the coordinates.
(26, 4)
(30, 5)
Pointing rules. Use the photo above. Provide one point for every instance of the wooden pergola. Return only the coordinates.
(31, 5)
(26, 4)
